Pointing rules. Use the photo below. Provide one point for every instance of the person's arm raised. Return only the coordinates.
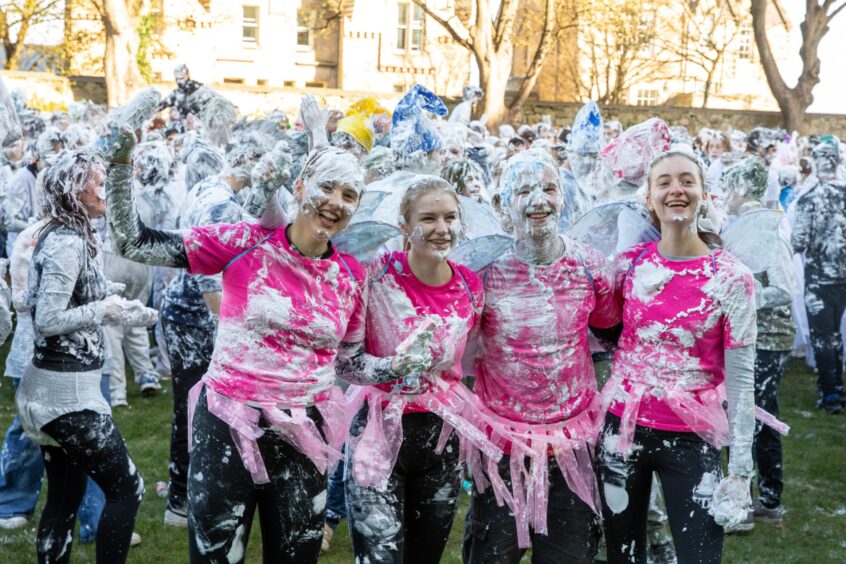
(132, 239)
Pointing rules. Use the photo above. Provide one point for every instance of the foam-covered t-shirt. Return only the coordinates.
(679, 316)
(282, 315)
(398, 302)
(535, 363)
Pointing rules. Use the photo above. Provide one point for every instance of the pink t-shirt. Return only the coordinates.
(678, 318)
(282, 315)
(398, 301)
(535, 364)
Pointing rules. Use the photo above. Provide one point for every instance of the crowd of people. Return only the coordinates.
(364, 311)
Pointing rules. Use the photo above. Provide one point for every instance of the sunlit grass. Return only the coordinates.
(815, 492)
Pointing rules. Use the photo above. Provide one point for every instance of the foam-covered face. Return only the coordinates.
(14, 151)
(93, 195)
(434, 225)
(473, 184)
(328, 206)
(770, 154)
(675, 191)
(536, 200)
(181, 77)
(582, 165)
(346, 142)
(452, 150)
(735, 197)
(715, 149)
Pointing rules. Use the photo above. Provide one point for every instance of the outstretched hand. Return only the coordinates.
(116, 310)
(732, 501)
(116, 147)
(314, 120)
(414, 353)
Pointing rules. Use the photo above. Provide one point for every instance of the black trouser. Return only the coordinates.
(825, 304)
(189, 349)
(689, 469)
(409, 520)
(222, 497)
(90, 446)
(769, 369)
(490, 531)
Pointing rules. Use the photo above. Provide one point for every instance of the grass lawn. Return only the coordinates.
(815, 490)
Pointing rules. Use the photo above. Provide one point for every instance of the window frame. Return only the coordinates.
(250, 23)
(308, 18)
(411, 26)
(646, 97)
(746, 43)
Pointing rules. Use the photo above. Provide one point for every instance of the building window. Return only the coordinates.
(647, 97)
(304, 25)
(250, 24)
(410, 18)
(745, 42)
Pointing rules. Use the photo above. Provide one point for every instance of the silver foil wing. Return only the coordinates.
(364, 239)
(612, 228)
(10, 124)
(478, 253)
(754, 238)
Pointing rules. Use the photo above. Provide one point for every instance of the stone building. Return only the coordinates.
(384, 46)
(363, 45)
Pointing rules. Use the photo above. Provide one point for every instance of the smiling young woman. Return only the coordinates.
(535, 380)
(402, 491)
(687, 344)
(268, 420)
(59, 401)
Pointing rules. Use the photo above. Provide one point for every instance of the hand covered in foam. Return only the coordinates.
(314, 120)
(116, 310)
(732, 501)
(116, 147)
(414, 353)
(271, 172)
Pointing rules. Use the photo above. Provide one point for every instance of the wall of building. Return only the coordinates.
(51, 92)
(356, 51)
(694, 119)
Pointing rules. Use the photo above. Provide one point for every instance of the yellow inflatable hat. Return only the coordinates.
(368, 107)
(359, 127)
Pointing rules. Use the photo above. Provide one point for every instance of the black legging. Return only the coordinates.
(409, 520)
(769, 369)
(829, 303)
(490, 531)
(190, 350)
(90, 446)
(689, 469)
(222, 497)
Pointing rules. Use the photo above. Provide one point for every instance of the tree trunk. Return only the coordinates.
(795, 101)
(123, 79)
(706, 94)
(543, 49)
(8, 46)
(499, 70)
(793, 114)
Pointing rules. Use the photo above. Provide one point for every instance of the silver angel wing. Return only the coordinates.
(484, 239)
(478, 253)
(754, 238)
(612, 228)
(364, 239)
(10, 125)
